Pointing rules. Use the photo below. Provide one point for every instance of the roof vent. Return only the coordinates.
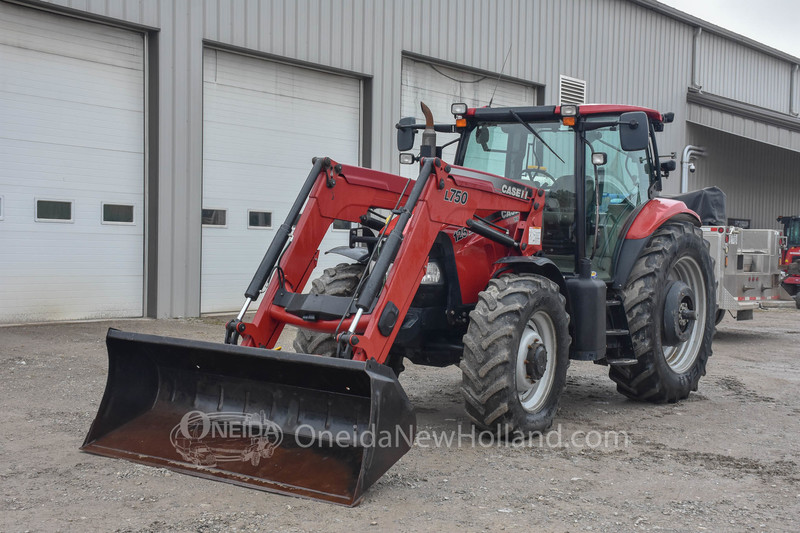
(571, 91)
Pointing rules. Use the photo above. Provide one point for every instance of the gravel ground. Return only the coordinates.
(725, 459)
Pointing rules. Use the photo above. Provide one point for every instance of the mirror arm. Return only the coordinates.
(439, 128)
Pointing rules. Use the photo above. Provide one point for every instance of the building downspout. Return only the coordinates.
(792, 84)
(695, 86)
(689, 153)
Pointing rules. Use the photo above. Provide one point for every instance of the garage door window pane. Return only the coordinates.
(215, 217)
(259, 219)
(118, 213)
(53, 210)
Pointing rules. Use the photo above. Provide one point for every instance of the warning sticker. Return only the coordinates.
(534, 236)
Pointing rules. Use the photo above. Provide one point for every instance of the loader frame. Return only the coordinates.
(442, 196)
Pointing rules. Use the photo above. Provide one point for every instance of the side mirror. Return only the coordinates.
(405, 136)
(634, 133)
(482, 137)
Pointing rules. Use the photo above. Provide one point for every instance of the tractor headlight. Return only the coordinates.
(433, 274)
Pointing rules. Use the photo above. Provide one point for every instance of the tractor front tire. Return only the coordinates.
(516, 354)
(340, 280)
(667, 373)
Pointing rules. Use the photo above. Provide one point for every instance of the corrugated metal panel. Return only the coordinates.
(729, 69)
(609, 43)
(745, 127)
(626, 53)
(760, 181)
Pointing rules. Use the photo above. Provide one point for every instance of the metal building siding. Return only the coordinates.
(579, 39)
(727, 68)
(744, 127)
(766, 186)
(626, 52)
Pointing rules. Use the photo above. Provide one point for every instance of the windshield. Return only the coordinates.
(545, 158)
(793, 233)
(513, 151)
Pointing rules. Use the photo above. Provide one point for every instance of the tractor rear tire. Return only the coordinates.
(516, 354)
(676, 252)
(340, 280)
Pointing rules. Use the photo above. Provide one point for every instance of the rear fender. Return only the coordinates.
(655, 213)
(651, 216)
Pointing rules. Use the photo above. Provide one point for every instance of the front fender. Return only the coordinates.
(533, 265)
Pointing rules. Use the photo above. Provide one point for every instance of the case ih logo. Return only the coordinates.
(517, 192)
(206, 439)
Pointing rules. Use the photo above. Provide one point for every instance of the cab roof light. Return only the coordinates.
(458, 109)
(569, 114)
(569, 111)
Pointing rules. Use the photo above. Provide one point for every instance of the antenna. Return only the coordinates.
(502, 69)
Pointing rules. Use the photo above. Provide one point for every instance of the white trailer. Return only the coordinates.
(746, 266)
(746, 261)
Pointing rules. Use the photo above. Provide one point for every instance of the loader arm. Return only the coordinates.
(442, 196)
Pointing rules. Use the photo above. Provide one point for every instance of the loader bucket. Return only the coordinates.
(297, 424)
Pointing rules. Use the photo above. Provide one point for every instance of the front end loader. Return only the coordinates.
(544, 241)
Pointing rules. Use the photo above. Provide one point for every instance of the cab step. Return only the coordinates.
(622, 362)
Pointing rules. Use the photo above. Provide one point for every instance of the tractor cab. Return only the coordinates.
(791, 230)
(597, 164)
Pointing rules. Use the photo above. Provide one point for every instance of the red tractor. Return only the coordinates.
(790, 260)
(543, 241)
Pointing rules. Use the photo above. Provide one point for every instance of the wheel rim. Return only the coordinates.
(680, 358)
(539, 330)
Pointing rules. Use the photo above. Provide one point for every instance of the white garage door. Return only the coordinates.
(72, 171)
(439, 87)
(263, 121)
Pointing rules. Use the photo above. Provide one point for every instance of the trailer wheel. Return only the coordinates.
(340, 280)
(516, 354)
(672, 354)
(797, 300)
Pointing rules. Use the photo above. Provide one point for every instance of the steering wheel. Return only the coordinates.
(535, 174)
